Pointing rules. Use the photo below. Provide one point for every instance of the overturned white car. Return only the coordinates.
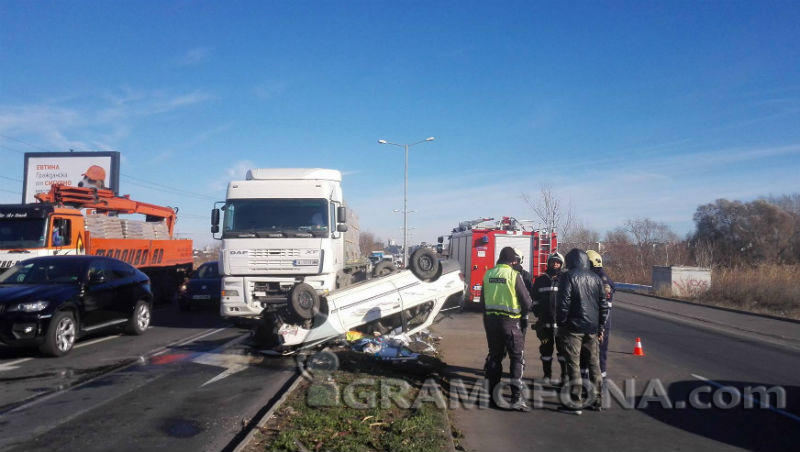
(406, 299)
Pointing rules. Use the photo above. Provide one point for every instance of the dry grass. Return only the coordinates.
(767, 289)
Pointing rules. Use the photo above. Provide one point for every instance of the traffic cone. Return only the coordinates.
(637, 350)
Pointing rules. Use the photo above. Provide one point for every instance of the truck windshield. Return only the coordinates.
(22, 233)
(276, 218)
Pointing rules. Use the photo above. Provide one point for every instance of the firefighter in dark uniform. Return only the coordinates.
(596, 261)
(545, 293)
(504, 297)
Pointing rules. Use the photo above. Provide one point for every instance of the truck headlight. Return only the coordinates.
(31, 306)
(230, 293)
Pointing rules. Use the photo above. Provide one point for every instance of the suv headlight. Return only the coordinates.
(31, 306)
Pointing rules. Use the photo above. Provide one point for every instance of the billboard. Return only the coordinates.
(79, 169)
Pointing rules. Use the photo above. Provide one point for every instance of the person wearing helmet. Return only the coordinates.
(596, 262)
(544, 292)
(581, 312)
(504, 297)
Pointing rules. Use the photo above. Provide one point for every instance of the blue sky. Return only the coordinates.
(624, 109)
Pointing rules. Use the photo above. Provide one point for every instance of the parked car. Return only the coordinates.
(51, 301)
(202, 289)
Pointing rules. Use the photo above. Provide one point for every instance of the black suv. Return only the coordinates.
(51, 301)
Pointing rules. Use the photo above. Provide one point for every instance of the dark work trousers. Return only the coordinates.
(504, 335)
(604, 345)
(548, 343)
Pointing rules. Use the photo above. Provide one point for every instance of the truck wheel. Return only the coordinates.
(304, 301)
(424, 264)
(61, 334)
(140, 319)
(382, 269)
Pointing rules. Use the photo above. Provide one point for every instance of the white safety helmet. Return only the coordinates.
(555, 257)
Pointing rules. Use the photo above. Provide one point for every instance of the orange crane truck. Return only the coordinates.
(83, 220)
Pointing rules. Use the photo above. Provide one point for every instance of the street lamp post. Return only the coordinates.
(405, 194)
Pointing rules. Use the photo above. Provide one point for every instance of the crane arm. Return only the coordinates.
(105, 201)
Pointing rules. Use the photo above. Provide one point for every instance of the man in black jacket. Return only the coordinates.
(581, 312)
(545, 293)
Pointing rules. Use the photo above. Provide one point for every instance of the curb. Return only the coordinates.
(262, 420)
(721, 308)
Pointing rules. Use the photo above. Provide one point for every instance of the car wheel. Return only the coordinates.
(61, 334)
(424, 264)
(140, 319)
(304, 301)
(383, 268)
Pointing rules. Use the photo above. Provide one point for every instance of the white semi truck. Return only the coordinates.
(283, 228)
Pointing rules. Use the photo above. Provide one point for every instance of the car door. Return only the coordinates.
(125, 283)
(99, 295)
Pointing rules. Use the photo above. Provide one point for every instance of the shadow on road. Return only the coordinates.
(731, 412)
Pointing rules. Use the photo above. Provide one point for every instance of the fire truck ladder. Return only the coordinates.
(544, 249)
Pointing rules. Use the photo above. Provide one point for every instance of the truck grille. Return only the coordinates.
(265, 260)
(274, 253)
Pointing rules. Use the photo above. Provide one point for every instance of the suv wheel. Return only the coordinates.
(61, 334)
(140, 319)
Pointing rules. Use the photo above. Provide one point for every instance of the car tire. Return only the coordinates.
(140, 319)
(383, 268)
(61, 334)
(304, 301)
(424, 264)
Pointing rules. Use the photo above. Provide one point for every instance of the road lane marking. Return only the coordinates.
(231, 363)
(770, 407)
(95, 341)
(201, 335)
(10, 365)
(39, 398)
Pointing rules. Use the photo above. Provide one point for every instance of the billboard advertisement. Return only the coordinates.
(79, 169)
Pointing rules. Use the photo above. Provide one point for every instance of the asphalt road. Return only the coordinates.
(684, 355)
(190, 383)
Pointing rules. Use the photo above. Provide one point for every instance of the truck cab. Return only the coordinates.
(280, 228)
(31, 230)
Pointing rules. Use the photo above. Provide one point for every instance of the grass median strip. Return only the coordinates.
(366, 405)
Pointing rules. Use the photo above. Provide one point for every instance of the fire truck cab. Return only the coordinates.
(476, 245)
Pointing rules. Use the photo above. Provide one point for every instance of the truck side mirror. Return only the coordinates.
(341, 227)
(440, 239)
(341, 214)
(214, 221)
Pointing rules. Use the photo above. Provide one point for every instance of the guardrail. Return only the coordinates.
(634, 287)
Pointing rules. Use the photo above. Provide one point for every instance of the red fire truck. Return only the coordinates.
(476, 245)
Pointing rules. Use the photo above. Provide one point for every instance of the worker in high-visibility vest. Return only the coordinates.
(504, 298)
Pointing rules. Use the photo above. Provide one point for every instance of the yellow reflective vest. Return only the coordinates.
(500, 291)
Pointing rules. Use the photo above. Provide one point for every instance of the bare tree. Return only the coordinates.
(551, 213)
(368, 243)
(580, 236)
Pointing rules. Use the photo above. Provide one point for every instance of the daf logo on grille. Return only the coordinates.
(239, 252)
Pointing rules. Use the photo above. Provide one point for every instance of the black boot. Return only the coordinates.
(547, 366)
